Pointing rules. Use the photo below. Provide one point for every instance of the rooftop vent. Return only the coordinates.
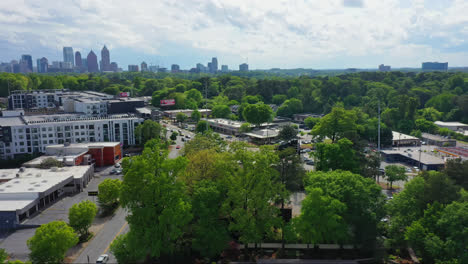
(31, 189)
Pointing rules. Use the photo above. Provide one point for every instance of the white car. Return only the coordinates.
(103, 258)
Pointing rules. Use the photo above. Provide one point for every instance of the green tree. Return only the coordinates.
(337, 124)
(221, 111)
(257, 113)
(108, 193)
(50, 242)
(148, 130)
(371, 166)
(456, 170)
(3, 255)
(195, 116)
(81, 216)
(310, 122)
(287, 132)
(251, 189)
(49, 163)
(112, 90)
(210, 231)
(245, 128)
(336, 156)
(202, 126)
(363, 199)
(290, 107)
(205, 141)
(321, 219)
(291, 169)
(122, 250)
(159, 210)
(174, 135)
(278, 99)
(395, 173)
(194, 95)
(181, 117)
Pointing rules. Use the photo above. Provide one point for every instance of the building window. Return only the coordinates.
(51, 142)
(50, 128)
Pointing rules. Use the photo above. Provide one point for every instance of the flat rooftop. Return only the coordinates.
(185, 110)
(401, 136)
(225, 122)
(414, 155)
(448, 124)
(436, 137)
(35, 119)
(263, 133)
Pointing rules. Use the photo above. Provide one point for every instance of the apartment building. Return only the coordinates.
(31, 134)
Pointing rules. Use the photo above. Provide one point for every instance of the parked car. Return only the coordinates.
(310, 162)
(103, 258)
(177, 147)
(117, 165)
(229, 137)
(183, 139)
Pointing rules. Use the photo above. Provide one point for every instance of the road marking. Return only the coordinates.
(120, 231)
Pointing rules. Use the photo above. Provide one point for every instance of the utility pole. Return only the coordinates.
(378, 136)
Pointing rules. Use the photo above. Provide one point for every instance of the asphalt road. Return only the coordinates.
(100, 244)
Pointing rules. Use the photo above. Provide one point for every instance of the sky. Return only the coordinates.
(318, 34)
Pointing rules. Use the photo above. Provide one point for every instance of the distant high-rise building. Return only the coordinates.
(38, 63)
(68, 55)
(78, 61)
(224, 68)
(84, 64)
(214, 65)
(144, 66)
(43, 66)
(105, 59)
(384, 68)
(114, 67)
(92, 62)
(435, 66)
(28, 62)
(210, 67)
(175, 68)
(201, 68)
(133, 68)
(154, 68)
(15, 67)
(66, 65)
(244, 67)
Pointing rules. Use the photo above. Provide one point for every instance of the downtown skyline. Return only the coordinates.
(307, 34)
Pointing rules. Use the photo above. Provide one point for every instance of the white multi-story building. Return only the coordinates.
(86, 106)
(31, 134)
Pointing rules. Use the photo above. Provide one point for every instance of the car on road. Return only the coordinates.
(182, 139)
(103, 258)
(187, 136)
(310, 162)
(117, 165)
(177, 147)
(229, 137)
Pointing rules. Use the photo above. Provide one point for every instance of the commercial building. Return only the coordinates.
(188, 112)
(105, 59)
(301, 117)
(25, 191)
(78, 60)
(384, 68)
(418, 159)
(263, 136)
(144, 67)
(32, 134)
(400, 139)
(454, 126)
(224, 68)
(244, 67)
(26, 60)
(92, 62)
(68, 55)
(214, 65)
(97, 153)
(133, 68)
(175, 68)
(225, 126)
(124, 105)
(43, 66)
(435, 66)
(438, 140)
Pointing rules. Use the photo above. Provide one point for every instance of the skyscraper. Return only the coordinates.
(43, 65)
(224, 68)
(105, 59)
(68, 55)
(114, 67)
(175, 68)
(28, 62)
(144, 66)
(78, 61)
(244, 67)
(92, 62)
(132, 68)
(214, 65)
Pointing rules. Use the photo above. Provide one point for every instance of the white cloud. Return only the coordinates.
(307, 33)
